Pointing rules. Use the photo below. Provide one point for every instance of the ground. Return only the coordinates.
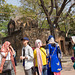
(67, 69)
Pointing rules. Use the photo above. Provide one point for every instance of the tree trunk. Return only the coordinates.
(51, 25)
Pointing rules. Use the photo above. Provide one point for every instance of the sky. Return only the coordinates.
(13, 2)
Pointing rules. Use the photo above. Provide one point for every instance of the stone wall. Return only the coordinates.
(26, 22)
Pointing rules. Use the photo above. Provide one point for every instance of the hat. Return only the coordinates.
(25, 38)
(50, 37)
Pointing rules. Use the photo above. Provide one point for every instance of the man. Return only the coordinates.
(27, 55)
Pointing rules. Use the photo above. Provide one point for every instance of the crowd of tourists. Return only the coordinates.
(43, 61)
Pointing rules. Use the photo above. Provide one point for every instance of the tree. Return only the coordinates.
(47, 8)
(59, 11)
(5, 15)
(67, 25)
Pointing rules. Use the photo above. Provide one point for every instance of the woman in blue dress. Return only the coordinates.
(53, 59)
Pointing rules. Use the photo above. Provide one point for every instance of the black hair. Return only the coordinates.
(46, 41)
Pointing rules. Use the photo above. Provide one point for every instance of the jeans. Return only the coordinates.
(44, 70)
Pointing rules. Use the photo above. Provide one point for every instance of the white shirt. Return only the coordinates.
(29, 54)
(8, 56)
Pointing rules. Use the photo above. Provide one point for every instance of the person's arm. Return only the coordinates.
(35, 54)
(12, 50)
(30, 55)
(59, 51)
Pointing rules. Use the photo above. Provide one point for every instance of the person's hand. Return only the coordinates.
(6, 54)
(21, 57)
(8, 48)
(26, 57)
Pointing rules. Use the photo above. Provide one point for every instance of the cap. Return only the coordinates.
(25, 38)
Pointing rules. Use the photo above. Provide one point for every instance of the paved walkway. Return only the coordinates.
(67, 69)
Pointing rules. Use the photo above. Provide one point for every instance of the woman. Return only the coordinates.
(7, 53)
(54, 60)
(40, 58)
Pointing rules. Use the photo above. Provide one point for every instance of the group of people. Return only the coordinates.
(45, 61)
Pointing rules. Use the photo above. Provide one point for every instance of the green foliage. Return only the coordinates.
(44, 24)
(32, 9)
(6, 11)
(68, 25)
(3, 29)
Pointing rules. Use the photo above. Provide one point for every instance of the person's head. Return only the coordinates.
(38, 43)
(51, 39)
(7, 44)
(73, 40)
(25, 41)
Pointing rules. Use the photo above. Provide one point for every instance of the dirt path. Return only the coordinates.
(67, 69)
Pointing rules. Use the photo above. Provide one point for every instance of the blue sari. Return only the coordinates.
(55, 62)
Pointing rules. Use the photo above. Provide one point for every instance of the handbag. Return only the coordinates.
(7, 66)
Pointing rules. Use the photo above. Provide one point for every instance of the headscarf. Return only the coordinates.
(51, 39)
(38, 44)
(73, 39)
(5, 49)
(5, 46)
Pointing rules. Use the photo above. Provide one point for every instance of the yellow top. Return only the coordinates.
(43, 55)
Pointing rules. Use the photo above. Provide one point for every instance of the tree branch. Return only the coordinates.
(69, 9)
(44, 8)
(51, 8)
(46, 11)
(60, 11)
(68, 2)
(56, 6)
